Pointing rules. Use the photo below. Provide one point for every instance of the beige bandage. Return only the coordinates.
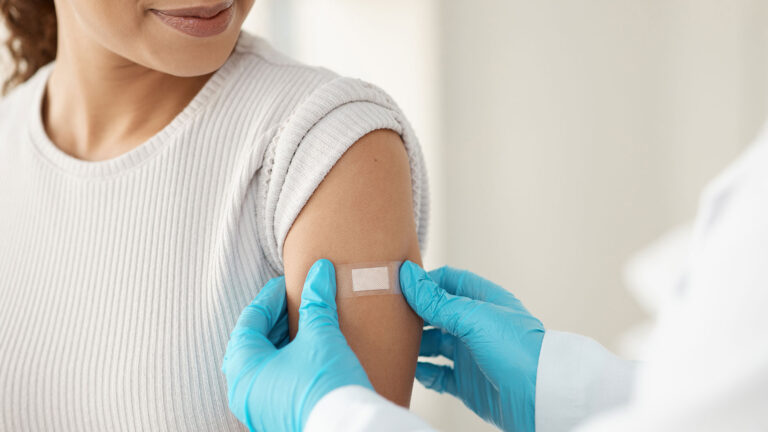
(366, 279)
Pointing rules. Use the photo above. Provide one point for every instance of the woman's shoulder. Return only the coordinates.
(322, 115)
(271, 72)
(271, 90)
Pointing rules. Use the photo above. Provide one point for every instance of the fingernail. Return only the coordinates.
(318, 269)
(410, 274)
(406, 271)
(320, 282)
(315, 268)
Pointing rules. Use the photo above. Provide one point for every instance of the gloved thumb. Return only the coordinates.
(432, 303)
(318, 298)
(437, 377)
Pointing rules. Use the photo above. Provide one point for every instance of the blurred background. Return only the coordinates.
(561, 136)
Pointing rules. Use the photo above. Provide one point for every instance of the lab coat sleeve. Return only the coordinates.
(358, 409)
(578, 378)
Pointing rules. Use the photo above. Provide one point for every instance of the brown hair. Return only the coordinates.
(32, 37)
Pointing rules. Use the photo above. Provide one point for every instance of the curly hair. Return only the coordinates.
(32, 37)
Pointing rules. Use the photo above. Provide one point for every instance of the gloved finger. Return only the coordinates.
(465, 283)
(435, 342)
(248, 341)
(438, 378)
(265, 310)
(318, 298)
(434, 304)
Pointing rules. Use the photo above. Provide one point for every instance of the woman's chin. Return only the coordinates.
(186, 56)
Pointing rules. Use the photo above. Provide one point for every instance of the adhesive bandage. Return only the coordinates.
(366, 279)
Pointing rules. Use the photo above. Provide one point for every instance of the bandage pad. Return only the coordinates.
(368, 279)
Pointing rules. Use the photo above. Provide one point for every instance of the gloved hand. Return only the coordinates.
(274, 384)
(493, 340)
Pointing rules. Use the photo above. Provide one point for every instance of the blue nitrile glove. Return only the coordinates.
(493, 340)
(274, 384)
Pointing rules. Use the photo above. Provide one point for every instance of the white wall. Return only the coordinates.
(582, 130)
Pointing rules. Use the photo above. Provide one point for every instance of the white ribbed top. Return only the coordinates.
(120, 280)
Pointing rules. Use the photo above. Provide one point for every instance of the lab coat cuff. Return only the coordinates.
(356, 408)
(576, 379)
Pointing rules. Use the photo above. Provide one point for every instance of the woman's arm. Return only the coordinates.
(363, 212)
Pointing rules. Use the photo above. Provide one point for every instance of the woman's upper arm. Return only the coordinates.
(362, 212)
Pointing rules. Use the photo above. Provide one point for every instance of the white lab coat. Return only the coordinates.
(706, 365)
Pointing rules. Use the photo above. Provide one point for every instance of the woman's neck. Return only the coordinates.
(99, 105)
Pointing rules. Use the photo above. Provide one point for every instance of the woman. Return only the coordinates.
(158, 166)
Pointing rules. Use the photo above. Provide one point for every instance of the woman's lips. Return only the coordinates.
(201, 21)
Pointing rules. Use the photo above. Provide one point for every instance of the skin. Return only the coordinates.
(121, 75)
(362, 212)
